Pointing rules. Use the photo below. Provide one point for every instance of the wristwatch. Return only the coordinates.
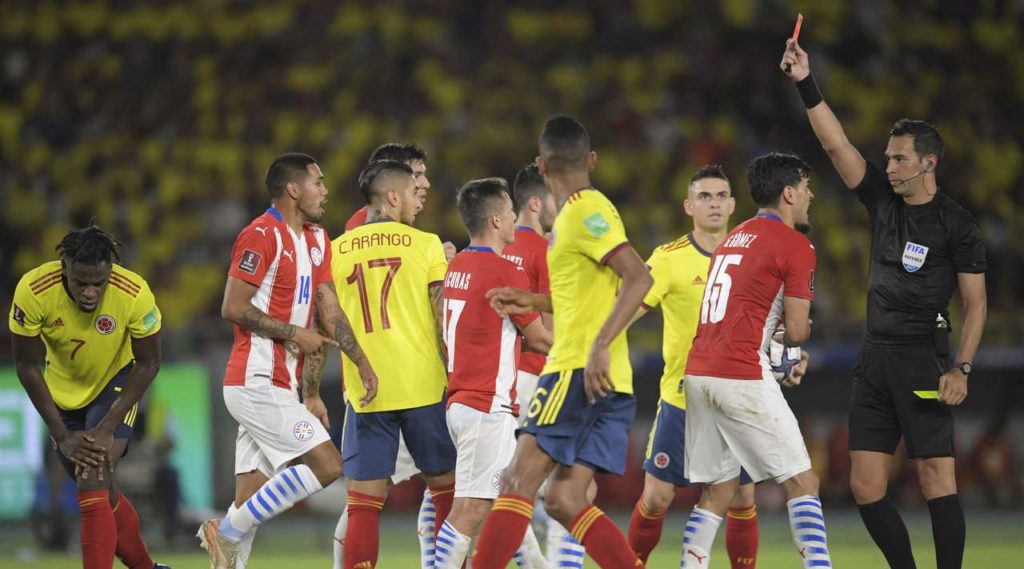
(964, 367)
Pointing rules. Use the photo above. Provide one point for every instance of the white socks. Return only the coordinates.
(563, 549)
(339, 539)
(278, 494)
(451, 548)
(698, 537)
(529, 555)
(425, 529)
(244, 546)
(807, 523)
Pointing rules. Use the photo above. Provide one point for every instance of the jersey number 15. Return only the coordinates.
(716, 293)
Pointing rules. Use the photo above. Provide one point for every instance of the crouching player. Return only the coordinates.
(483, 356)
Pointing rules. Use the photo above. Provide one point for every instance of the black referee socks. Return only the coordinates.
(948, 530)
(886, 527)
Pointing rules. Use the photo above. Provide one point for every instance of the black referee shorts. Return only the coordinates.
(884, 407)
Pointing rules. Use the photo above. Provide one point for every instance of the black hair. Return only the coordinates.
(927, 139)
(89, 246)
(479, 199)
(290, 167)
(710, 171)
(528, 183)
(565, 144)
(375, 174)
(769, 174)
(398, 152)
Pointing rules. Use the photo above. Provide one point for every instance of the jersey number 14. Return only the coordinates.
(716, 293)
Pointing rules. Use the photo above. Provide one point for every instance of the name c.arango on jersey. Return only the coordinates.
(740, 240)
(374, 240)
(455, 279)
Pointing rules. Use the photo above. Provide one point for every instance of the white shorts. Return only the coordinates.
(274, 427)
(526, 384)
(405, 466)
(484, 445)
(732, 423)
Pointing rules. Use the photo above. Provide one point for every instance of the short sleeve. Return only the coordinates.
(516, 277)
(874, 188)
(661, 271)
(437, 263)
(252, 254)
(599, 230)
(968, 248)
(145, 319)
(26, 317)
(798, 263)
(323, 268)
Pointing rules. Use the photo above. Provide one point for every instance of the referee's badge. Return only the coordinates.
(914, 256)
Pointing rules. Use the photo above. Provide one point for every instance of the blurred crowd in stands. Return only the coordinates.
(157, 119)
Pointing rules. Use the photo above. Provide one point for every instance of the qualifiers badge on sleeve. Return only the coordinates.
(18, 315)
(249, 262)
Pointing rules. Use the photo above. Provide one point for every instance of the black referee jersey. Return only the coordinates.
(916, 253)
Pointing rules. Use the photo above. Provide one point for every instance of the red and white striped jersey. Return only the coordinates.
(530, 251)
(483, 347)
(287, 268)
(758, 263)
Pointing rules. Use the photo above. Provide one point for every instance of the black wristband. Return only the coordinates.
(809, 91)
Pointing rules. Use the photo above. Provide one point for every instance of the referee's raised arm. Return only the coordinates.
(847, 159)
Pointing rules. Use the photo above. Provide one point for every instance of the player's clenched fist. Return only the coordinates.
(795, 62)
(507, 301)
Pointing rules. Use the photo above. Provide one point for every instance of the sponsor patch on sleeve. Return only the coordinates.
(596, 224)
(150, 320)
(19, 315)
(249, 262)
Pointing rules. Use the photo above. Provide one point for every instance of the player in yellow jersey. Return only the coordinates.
(96, 326)
(578, 422)
(389, 277)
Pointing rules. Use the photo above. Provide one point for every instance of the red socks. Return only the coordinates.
(645, 529)
(503, 531)
(130, 548)
(362, 538)
(99, 530)
(741, 537)
(443, 497)
(603, 541)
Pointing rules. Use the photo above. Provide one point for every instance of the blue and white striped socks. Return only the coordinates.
(698, 537)
(807, 523)
(564, 552)
(451, 548)
(280, 493)
(529, 555)
(425, 521)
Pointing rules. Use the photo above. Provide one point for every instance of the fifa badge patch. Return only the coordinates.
(914, 256)
(249, 262)
(316, 255)
(150, 320)
(106, 324)
(661, 460)
(18, 315)
(596, 224)
(303, 431)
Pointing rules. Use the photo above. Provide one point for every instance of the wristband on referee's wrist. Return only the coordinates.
(809, 91)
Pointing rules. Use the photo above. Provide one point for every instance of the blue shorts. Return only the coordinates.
(572, 431)
(369, 441)
(666, 448)
(88, 417)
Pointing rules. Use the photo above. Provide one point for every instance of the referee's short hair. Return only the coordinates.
(769, 174)
(927, 139)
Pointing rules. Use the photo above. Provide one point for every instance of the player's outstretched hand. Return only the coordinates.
(369, 379)
(316, 406)
(798, 372)
(83, 450)
(799, 66)
(449, 250)
(597, 379)
(310, 341)
(952, 387)
(507, 300)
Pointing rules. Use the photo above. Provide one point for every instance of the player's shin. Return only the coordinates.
(278, 494)
(339, 539)
(443, 497)
(529, 555)
(245, 545)
(362, 540)
(698, 537)
(602, 539)
(741, 537)
(503, 531)
(426, 529)
(99, 530)
(645, 529)
(451, 547)
(563, 549)
(131, 550)
(807, 523)
(949, 531)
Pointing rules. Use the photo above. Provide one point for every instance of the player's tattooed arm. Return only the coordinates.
(313, 369)
(260, 322)
(238, 308)
(335, 322)
(437, 304)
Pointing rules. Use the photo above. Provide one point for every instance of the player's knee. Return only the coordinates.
(562, 505)
(803, 484)
(658, 497)
(744, 499)
(867, 489)
(327, 471)
(936, 482)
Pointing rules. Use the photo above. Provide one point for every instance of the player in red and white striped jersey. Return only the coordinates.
(279, 278)
(483, 353)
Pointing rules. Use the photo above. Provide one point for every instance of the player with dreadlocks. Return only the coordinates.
(97, 327)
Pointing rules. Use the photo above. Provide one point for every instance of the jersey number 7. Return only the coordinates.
(357, 277)
(716, 293)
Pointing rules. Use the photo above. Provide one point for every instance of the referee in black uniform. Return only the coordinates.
(923, 244)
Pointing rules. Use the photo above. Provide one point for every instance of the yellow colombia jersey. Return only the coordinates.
(680, 269)
(383, 271)
(84, 350)
(587, 232)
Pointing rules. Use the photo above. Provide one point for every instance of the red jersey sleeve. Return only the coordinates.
(516, 278)
(323, 269)
(540, 265)
(798, 262)
(358, 218)
(254, 250)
